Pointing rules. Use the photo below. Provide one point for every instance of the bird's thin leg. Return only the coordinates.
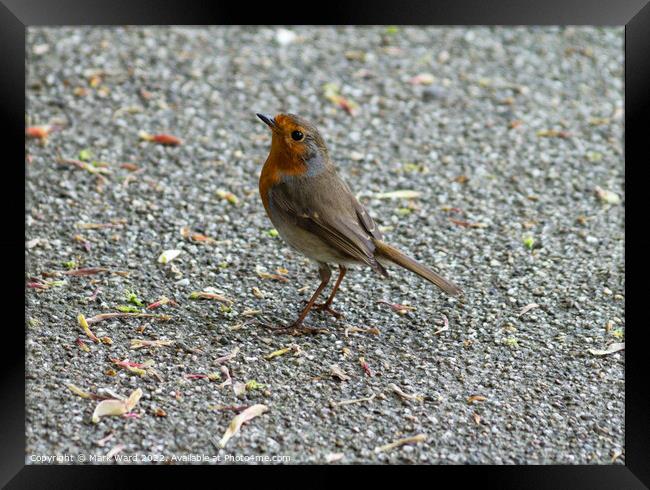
(327, 306)
(325, 274)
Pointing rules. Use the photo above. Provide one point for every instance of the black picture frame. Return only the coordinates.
(16, 15)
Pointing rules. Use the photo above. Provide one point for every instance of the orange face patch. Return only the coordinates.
(287, 154)
(285, 128)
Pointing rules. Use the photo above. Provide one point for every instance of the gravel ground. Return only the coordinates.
(507, 133)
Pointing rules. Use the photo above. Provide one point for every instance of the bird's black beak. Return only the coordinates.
(268, 120)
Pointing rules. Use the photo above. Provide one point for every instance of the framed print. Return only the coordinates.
(395, 239)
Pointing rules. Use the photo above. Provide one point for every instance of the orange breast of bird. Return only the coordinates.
(279, 164)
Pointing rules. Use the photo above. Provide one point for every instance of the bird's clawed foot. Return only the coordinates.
(327, 308)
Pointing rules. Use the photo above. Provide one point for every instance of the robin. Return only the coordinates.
(315, 212)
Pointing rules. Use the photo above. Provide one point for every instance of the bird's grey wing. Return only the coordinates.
(329, 220)
(366, 221)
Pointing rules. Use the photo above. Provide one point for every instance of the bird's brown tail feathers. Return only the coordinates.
(386, 251)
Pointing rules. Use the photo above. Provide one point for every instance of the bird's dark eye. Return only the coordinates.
(297, 135)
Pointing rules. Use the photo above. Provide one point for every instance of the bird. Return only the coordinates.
(316, 213)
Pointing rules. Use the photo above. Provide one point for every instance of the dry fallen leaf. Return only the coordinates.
(265, 275)
(102, 442)
(139, 344)
(236, 423)
(139, 368)
(467, 224)
(84, 325)
(527, 308)
(401, 194)
(210, 295)
(228, 196)
(239, 388)
(82, 345)
(364, 365)
(38, 132)
(331, 92)
(445, 326)
(117, 449)
(356, 400)
(33, 242)
(109, 407)
(552, 133)
(228, 357)
(401, 442)
(608, 197)
(370, 330)
(99, 226)
(423, 79)
(108, 316)
(195, 236)
(609, 350)
(338, 373)
(161, 138)
(462, 179)
(163, 300)
(88, 271)
(397, 308)
(404, 395)
(226, 374)
(283, 351)
(615, 455)
(168, 256)
(79, 391)
(334, 457)
(475, 398)
(131, 167)
(116, 407)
